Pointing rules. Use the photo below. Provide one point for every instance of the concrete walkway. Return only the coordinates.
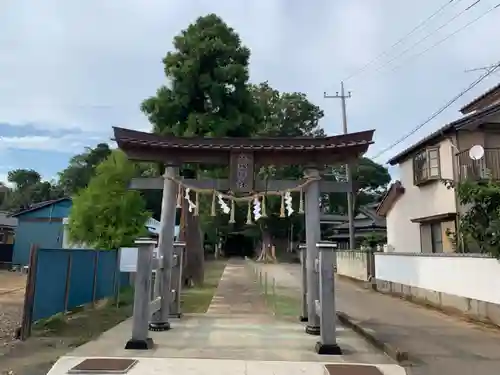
(237, 335)
(437, 344)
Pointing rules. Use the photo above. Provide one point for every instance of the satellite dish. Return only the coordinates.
(476, 152)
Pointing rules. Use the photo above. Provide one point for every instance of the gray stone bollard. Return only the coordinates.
(325, 306)
(140, 339)
(303, 273)
(176, 280)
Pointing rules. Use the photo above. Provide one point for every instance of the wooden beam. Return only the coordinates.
(156, 183)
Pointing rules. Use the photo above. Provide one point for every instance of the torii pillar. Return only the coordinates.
(159, 320)
(313, 236)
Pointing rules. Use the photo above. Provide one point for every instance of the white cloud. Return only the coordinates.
(68, 143)
(88, 64)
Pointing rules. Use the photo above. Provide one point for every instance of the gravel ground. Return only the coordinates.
(12, 286)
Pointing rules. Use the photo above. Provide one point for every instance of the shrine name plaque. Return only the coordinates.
(242, 169)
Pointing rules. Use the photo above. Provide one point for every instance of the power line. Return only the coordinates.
(417, 55)
(402, 39)
(418, 42)
(441, 110)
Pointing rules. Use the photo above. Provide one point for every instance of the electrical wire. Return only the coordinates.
(418, 42)
(402, 39)
(419, 54)
(441, 110)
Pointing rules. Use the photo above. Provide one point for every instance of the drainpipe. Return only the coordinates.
(456, 167)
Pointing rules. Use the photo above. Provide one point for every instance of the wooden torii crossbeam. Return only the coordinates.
(244, 156)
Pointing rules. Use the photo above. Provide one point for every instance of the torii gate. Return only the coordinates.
(244, 156)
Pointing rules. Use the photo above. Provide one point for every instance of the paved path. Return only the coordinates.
(237, 335)
(437, 343)
(237, 293)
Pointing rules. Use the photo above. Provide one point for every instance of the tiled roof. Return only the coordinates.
(127, 137)
(39, 205)
(471, 104)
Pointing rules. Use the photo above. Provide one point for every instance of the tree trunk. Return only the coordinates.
(195, 250)
(193, 272)
(267, 251)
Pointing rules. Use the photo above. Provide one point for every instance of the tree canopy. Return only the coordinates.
(106, 214)
(208, 92)
(81, 168)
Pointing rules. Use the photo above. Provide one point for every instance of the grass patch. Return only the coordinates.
(197, 299)
(88, 323)
(283, 304)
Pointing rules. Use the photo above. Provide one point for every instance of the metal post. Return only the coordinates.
(265, 285)
(313, 236)
(140, 339)
(328, 314)
(159, 321)
(274, 296)
(303, 274)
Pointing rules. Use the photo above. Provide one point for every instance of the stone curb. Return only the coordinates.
(399, 355)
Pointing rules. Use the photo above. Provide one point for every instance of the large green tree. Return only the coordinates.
(207, 95)
(207, 92)
(371, 178)
(106, 214)
(81, 168)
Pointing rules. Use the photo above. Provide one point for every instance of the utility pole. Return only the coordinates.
(350, 197)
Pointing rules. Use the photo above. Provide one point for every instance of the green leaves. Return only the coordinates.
(28, 190)
(208, 92)
(81, 168)
(479, 226)
(106, 215)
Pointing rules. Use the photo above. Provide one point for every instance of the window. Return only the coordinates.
(431, 237)
(436, 238)
(2, 238)
(426, 166)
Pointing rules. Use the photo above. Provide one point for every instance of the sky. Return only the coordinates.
(70, 70)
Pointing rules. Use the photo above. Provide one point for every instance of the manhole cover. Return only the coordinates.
(103, 366)
(334, 369)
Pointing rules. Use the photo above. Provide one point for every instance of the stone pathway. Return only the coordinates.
(237, 293)
(237, 335)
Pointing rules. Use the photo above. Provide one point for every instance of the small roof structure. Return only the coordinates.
(39, 205)
(366, 221)
(390, 197)
(7, 221)
(297, 150)
(487, 98)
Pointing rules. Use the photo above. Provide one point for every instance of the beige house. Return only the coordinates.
(421, 212)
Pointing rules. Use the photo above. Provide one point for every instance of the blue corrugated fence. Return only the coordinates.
(68, 278)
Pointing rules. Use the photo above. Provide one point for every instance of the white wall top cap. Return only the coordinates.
(145, 241)
(327, 245)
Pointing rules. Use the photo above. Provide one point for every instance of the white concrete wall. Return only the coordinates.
(419, 201)
(353, 264)
(470, 276)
